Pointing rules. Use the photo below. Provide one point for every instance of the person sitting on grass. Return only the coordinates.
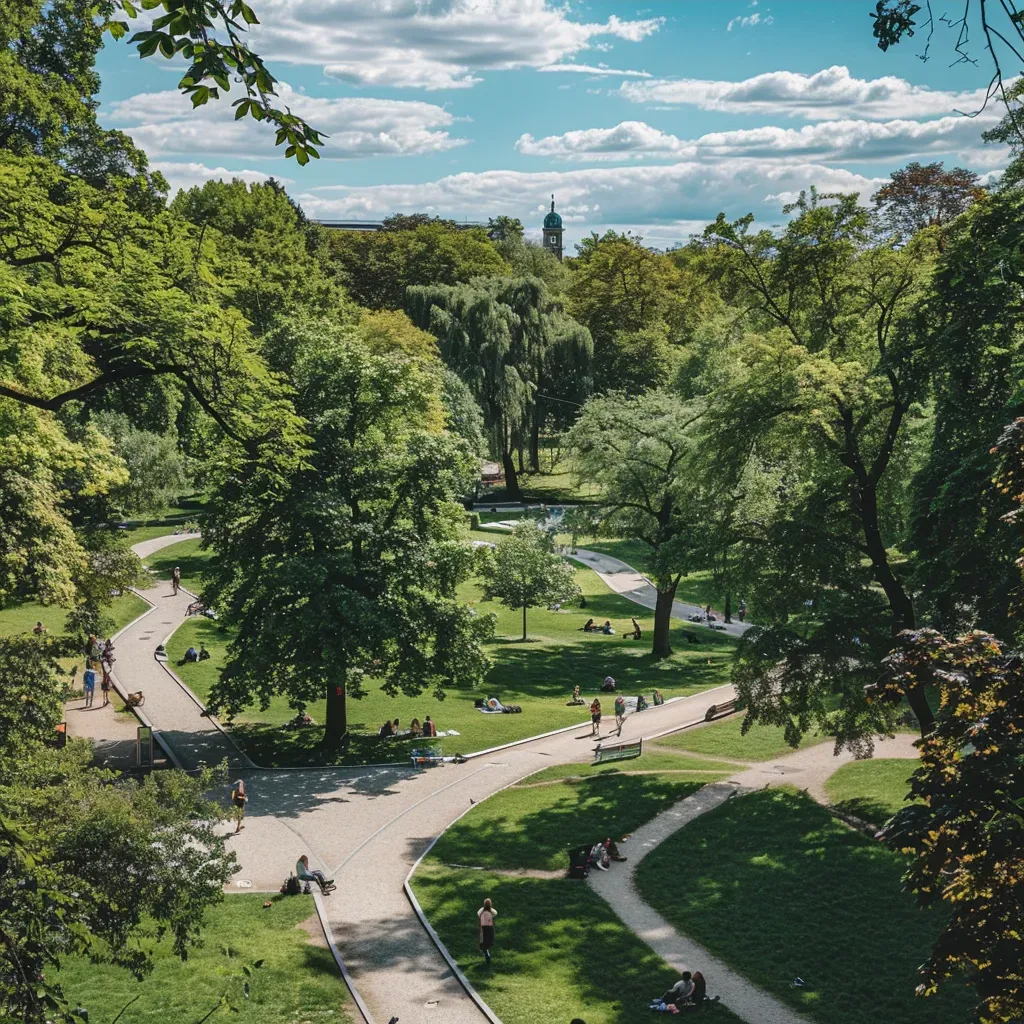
(600, 858)
(588, 626)
(429, 729)
(607, 628)
(608, 686)
(385, 732)
(204, 654)
(634, 633)
(305, 875)
(700, 989)
(39, 629)
(415, 728)
(680, 992)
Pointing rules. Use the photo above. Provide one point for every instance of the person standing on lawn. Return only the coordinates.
(485, 916)
(595, 717)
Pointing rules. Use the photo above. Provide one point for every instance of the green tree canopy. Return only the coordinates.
(343, 568)
(522, 571)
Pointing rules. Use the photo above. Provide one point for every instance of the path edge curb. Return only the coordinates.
(346, 977)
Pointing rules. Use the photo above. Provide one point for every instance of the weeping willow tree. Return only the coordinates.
(514, 348)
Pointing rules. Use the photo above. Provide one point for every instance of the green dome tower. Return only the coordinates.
(553, 231)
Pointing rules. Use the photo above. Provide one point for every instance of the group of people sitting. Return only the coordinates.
(687, 993)
(602, 855)
(394, 730)
(192, 655)
(590, 626)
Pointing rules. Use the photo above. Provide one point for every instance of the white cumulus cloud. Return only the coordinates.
(187, 174)
(165, 124)
(849, 140)
(595, 197)
(826, 95)
(600, 69)
(431, 45)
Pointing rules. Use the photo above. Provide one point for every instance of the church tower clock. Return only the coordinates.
(553, 231)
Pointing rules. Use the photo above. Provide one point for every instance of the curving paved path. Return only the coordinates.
(365, 826)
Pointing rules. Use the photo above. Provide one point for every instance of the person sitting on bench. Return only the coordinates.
(588, 626)
(641, 703)
(305, 875)
(634, 633)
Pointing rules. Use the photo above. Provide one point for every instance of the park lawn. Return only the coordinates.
(538, 675)
(652, 760)
(298, 981)
(188, 555)
(778, 888)
(530, 826)
(167, 521)
(725, 739)
(21, 618)
(873, 790)
(560, 951)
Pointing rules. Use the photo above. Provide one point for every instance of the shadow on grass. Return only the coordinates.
(560, 952)
(192, 565)
(778, 888)
(533, 827)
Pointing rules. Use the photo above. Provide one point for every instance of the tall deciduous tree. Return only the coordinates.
(825, 397)
(642, 453)
(91, 862)
(522, 571)
(925, 195)
(343, 566)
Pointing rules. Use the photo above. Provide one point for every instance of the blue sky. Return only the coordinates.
(471, 108)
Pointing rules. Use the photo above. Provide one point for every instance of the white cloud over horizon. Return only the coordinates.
(411, 44)
(848, 140)
(830, 94)
(190, 173)
(594, 197)
(165, 124)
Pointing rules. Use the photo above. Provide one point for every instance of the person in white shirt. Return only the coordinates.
(486, 915)
(680, 991)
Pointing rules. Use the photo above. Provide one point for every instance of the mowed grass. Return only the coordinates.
(538, 675)
(560, 950)
(779, 889)
(188, 556)
(172, 518)
(726, 739)
(873, 790)
(652, 760)
(21, 618)
(298, 982)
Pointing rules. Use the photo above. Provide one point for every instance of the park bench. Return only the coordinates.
(426, 757)
(619, 752)
(720, 710)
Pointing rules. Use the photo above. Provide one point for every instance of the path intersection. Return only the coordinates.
(366, 827)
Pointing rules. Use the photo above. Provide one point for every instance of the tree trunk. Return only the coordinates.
(662, 620)
(337, 723)
(524, 621)
(728, 608)
(535, 443)
(900, 605)
(511, 479)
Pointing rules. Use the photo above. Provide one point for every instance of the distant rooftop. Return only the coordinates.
(378, 225)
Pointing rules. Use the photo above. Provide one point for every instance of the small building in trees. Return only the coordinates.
(553, 231)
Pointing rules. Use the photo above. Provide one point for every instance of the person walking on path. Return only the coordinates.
(595, 717)
(239, 798)
(89, 684)
(620, 711)
(486, 915)
(176, 580)
(105, 683)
